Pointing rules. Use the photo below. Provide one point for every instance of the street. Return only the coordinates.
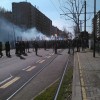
(18, 75)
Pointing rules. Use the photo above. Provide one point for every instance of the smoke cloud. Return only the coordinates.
(11, 32)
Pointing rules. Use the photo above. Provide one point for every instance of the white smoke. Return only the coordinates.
(11, 32)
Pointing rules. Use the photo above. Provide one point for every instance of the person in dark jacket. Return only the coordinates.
(36, 47)
(7, 48)
(55, 47)
(1, 54)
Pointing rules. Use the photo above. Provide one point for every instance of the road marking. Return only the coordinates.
(42, 61)
(52, 53)
(82, 81)
(30, 68)
(9, 83)
(48, 56)
(38, 61)
(26, 68)
(45, 56)
(6, 79)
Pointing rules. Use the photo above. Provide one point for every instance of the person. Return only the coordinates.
(23, 47)
(33, 44)
(27, 46)
(73, 45)
(69, 46)
(7, 48)
(45, 45)
(1, 54)
(55, 47)
(36, 47)
(17, 48)
(78, 44)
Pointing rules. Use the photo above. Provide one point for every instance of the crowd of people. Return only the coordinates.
(22, 47)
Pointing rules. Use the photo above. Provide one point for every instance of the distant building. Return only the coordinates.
(98, 24)
(96, 21)
(22, 14)
(27, 16)
(8, 16)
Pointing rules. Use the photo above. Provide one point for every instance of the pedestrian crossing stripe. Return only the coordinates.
(51, 54)
(9, 83)
(26, 68)
(38, 61)
(42, 61)
(48, 56)
(30, 68)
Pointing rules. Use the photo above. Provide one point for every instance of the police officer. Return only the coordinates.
(55, 47)
(7, 48)
(27, 46)
(69, 46)
(45, 43)
(36, 47)
(1, 54)
(17, 47)
(78, 44)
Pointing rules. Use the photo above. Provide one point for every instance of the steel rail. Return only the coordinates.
(61, 80)
(9, 98)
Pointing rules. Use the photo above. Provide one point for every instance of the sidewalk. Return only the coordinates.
(86, 76)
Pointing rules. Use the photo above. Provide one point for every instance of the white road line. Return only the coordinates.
(38, 61)
(9, 83)
(45, 56)
(48, 56)
(9, 98)
(26, 68)
(30, 68)
(6, 79)
(52, 53)
(42, 61)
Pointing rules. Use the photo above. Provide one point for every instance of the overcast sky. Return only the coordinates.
(51, 8)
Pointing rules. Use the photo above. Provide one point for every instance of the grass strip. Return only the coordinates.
(49, 93)
(66, 87)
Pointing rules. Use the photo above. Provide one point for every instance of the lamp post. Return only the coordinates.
(94, 28)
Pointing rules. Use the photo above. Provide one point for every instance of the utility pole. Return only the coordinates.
(85, 17)
(94, 28)
(78, 19)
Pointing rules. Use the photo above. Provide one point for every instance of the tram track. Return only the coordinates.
(62, 77)
(34, 76)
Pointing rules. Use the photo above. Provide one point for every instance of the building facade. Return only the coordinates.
(96, 21)
(27, 16)
(98, 24)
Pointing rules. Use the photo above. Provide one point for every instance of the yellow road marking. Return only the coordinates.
(30, 68)
(42, 61)
(9, 83)
(82, 81)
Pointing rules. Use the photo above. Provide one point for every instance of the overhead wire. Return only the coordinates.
(55, 7)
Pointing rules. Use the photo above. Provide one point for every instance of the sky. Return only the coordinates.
(51, 8)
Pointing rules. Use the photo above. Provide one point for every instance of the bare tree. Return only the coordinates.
(72, 9)
(67, 33)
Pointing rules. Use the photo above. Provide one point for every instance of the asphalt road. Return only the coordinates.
(25, 78)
